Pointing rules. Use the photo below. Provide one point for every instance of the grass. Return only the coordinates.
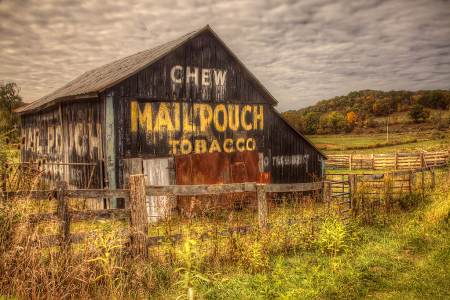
(409, 258)
(407, 142)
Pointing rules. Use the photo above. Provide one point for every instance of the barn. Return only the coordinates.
(184, 112)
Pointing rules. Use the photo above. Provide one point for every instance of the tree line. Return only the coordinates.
(344, 113)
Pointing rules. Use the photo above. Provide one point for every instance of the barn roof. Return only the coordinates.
(89, 84)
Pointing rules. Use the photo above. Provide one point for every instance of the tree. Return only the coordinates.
(9, 101)
(417, 113)
(337, 121)
(351, 118)
(437, 100)
(311, 122)
(377, 107)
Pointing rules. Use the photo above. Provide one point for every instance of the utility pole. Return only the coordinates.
(387, 130)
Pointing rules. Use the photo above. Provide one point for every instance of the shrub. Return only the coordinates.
(371, 122)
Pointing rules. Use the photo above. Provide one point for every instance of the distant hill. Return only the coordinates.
(359, 110)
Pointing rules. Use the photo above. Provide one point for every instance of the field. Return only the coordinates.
(373, 143)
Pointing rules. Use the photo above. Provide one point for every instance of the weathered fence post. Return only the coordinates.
(63, 213)
(421, 158)
(327, 196)
(139, 218)
(352, 180)
(350, 162)
(387, 192)
(433, 182)
(396, 159)
(262, 205)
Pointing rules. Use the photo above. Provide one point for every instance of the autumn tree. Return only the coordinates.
(377, 107)
(351, 119)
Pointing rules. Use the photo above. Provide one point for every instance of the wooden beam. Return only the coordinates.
(186, 190)
(28, 195)
(99, 193)
(99, 215)
(293, 187)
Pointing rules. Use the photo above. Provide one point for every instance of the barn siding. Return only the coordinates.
(171, 93)
(184, 103)
(78, 140)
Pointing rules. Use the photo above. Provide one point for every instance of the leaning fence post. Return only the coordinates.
(63, 213)
(352, 181)
(262, 205)
(139, 218)
(327, 195)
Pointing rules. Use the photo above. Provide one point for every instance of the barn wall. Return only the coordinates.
(78, 139)
(199, 99)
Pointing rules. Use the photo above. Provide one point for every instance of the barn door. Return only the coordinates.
(159, 171)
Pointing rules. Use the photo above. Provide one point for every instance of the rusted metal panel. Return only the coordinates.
(212, 168)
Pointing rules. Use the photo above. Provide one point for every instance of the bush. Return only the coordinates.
(418, 114)
(371, 122)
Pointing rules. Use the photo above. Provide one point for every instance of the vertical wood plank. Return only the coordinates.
(262, 206)
(63, 217)
(396, 159)
(327, 196)
(139, 221)
(353, 189)
(433, 183)
(387, 193)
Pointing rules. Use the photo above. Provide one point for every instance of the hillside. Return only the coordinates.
(368, 111)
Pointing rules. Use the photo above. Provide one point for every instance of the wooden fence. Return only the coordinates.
(393, 161)
(137, 232)
(385, 189)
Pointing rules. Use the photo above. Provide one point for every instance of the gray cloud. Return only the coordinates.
(302, 51)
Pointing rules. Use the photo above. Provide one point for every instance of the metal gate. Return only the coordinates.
(341, 201)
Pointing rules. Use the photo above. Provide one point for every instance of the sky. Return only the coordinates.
(301, 51)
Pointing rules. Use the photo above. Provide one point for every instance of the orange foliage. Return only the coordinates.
(377, 107)
(351, 118)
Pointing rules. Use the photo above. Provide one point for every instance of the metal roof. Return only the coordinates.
(94, 81)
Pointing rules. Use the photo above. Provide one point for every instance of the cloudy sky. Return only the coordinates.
(302, 51)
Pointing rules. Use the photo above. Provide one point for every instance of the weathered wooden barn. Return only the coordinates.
(185, 112)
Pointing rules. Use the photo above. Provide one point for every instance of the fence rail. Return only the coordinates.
(137, 212)
(394, 161)
(136, 235)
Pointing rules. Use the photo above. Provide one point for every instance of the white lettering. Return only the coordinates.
(173, 74)
(220, 75)
(205, 77)
(190, 75)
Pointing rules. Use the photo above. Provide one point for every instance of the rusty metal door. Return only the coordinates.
(158, 172)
